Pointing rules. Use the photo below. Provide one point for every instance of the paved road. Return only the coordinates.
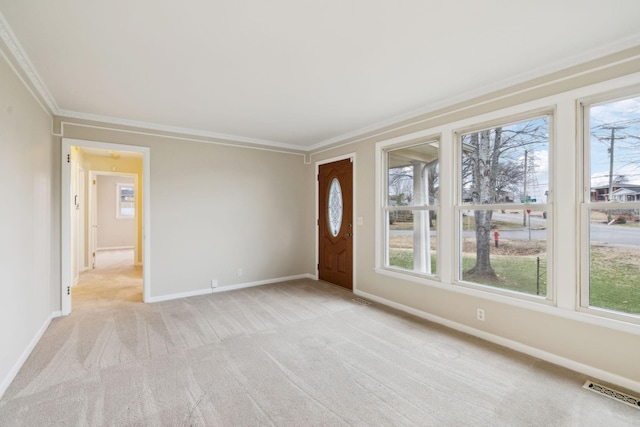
(615, 234)
(601, 233)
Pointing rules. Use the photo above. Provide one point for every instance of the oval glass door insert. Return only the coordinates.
(335, 207)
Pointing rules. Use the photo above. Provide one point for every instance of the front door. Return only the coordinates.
(335, 222)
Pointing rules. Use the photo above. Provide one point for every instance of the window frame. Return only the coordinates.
(119, 187)
(501, 121)
(383, 209)
(586, 205)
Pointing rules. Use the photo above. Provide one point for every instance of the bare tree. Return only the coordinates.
(486, 169)
(510, 174)
(433, 177)
(483, 176)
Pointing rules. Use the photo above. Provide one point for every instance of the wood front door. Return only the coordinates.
(335, 222)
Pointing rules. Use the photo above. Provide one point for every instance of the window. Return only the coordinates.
(610, 279)
(411, 208)
(125, 201)
(503, 201)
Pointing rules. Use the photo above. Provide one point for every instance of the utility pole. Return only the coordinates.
(524, 212)
(611, 138)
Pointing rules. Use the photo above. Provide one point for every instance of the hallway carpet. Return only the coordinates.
(300, 353)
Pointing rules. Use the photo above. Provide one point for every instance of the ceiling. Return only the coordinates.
(298, 74)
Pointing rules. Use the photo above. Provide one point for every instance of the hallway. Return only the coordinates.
(114, 281)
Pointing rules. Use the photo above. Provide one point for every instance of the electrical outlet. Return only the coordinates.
(480, 314)
(214, 283)
(239, 272)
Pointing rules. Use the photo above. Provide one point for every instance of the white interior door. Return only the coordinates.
(93, 218)
(82, 247)
(73, 214)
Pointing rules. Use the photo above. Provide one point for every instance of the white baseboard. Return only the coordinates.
(226, 288)
(261, 282)
(25, 354)
(514, 345)
(180, 295)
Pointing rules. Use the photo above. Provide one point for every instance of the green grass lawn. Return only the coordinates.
(403, 258)
(615, 281)
(515, 273)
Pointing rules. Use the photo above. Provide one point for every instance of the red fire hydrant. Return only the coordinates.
(496, 236)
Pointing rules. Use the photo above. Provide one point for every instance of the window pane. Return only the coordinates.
(506, 164)
(413, 175)
(506, 249)
(412, 240)
(334, 207)
(615, 151)
(614, 233)
(614, 265)
(126, 200)
(413, 181)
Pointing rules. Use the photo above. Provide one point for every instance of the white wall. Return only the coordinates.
(29, 223)
(216, 208)
(113, 232)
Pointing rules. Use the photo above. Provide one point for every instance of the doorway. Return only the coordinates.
(112, 216)
(105, 158)
(335, 222)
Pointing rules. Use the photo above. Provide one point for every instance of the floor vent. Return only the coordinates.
(613, 394)
(361, 301)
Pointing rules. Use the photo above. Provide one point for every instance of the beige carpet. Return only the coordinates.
(299, 353)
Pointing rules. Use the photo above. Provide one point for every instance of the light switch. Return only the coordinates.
(359, 220)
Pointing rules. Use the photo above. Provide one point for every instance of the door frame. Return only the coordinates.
(356, 220)
(65, 216)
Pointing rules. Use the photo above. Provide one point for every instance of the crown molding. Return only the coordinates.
(33, 78)
(217, 137)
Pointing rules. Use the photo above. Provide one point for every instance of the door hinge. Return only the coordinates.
(68, 158)
(68, 290)
(94, 182)
(93, 254)
(318, 266)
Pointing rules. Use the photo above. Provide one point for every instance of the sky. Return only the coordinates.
(624, 117)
